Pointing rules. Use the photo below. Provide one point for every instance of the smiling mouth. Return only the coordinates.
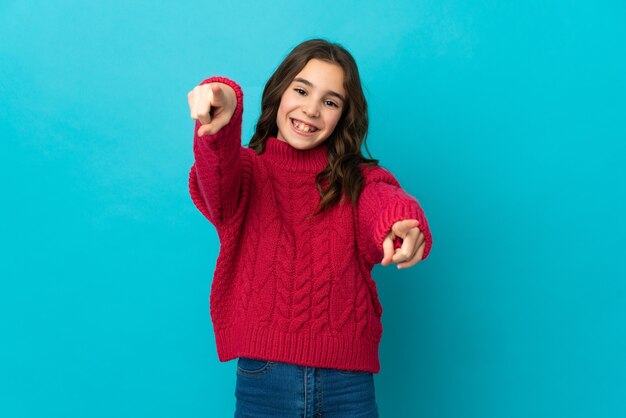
(303, 127)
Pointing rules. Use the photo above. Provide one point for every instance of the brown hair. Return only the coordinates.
(342, 173)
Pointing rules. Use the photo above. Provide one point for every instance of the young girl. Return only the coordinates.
(302, 218)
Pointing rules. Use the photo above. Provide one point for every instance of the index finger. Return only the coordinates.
(218, 95)
(404, 226)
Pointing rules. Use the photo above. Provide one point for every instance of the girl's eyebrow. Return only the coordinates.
(330, 92)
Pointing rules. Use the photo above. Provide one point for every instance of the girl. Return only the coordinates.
(302, 218)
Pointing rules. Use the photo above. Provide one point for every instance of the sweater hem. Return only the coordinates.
(324, 351)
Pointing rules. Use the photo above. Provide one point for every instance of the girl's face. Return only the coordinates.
(312, 105)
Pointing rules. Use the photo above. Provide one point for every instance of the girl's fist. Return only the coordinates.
(213, 104)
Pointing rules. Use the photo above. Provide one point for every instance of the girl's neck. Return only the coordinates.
(293, 159)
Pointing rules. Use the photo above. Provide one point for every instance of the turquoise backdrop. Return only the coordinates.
(507, 120)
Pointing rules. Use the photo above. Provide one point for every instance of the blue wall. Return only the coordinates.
(505, 119)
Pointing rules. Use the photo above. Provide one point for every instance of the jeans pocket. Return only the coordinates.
(252, 366)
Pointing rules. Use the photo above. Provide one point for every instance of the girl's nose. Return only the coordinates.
(311, 110)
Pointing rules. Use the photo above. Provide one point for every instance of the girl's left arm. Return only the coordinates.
(382, 203)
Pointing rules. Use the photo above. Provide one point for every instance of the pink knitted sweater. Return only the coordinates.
(288, 288)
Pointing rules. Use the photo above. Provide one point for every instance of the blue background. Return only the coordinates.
(505, 119)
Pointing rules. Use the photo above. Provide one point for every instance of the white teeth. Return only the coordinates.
(303, 127)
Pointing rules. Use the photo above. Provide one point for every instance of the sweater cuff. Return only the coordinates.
(400, 210)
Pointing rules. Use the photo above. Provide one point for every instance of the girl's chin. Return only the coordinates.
(301, 142)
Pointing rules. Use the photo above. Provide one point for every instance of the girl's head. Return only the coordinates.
(314, 97)
(318, 82)
(312, 105)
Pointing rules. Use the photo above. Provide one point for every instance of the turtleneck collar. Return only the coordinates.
(292, 159)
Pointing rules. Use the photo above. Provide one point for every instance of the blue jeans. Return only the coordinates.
(273, 389)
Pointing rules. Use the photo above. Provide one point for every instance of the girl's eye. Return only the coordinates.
(302, 92)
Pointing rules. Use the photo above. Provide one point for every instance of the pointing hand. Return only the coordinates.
(213, 104)
(412, 249)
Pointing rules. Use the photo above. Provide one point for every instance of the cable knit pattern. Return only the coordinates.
(287, 287)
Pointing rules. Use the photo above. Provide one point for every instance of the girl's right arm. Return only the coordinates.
(215, 177)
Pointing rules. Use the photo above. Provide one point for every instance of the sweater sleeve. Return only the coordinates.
(215, 176)
(381, 204)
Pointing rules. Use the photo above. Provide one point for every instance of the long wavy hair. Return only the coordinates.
(341, 177)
